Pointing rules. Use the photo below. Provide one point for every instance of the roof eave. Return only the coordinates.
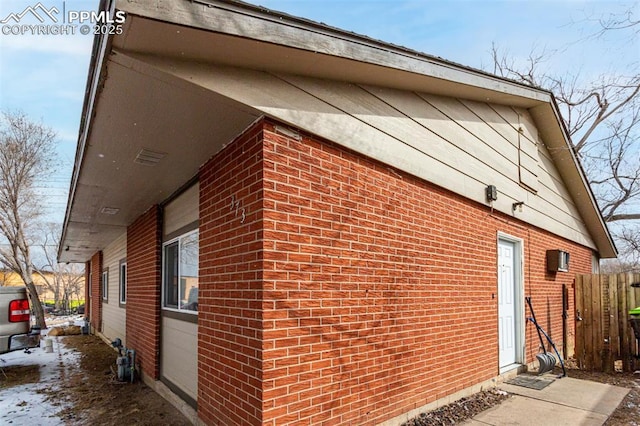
(255, 23)
(258, 23)
(556, 137)
(101, 44)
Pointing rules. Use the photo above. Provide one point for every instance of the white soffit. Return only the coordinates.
(150, 134)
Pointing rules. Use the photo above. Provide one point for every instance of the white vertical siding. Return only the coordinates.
(179, 341)
(179, 354)
(113, 316)
(182, 211)
(595, 264)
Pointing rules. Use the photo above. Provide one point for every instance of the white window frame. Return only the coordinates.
(164, 246)
(122, 282)
(105, 284)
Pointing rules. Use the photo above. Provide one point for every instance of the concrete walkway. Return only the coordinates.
(565, 401)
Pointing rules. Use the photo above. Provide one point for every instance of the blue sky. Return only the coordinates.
(45, 76)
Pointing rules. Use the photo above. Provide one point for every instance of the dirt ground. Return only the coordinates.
(19, 375)
(459, 411)
(89, 394)
(97, 396)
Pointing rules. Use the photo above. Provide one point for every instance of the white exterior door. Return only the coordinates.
(507, 304)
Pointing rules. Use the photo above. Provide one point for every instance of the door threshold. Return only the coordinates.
(510, 367)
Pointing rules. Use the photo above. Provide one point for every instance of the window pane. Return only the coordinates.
(105, 285)
(171, 275)
(123, 283)
(189, 272)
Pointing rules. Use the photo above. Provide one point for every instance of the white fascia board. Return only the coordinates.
(100, 47)
(554, 135)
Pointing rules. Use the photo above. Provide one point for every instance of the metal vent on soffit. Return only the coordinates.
(149, 157)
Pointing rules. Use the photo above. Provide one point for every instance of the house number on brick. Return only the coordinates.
(236, 204)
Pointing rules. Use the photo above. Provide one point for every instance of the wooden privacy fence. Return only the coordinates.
(604, 337)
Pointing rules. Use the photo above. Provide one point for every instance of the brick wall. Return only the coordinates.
(379, 288)
(143, 290)
(95, 311)
(546, 287)
(229, 317)
(350, 293)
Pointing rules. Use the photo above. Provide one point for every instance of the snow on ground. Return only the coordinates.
(35, 403)
(54, 321)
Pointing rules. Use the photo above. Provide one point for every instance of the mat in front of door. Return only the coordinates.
(531, 382)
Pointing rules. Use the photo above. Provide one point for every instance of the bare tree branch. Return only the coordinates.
(604, 109)
(616, 22)
(64, 280)
(26, 155)
(602, 118)
(624, 216)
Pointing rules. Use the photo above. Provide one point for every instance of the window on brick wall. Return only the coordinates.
(123, 282)
(105, 284)
(180, 273)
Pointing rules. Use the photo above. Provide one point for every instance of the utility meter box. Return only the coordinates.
(557, 261)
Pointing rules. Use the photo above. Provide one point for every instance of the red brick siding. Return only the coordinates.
(95, 311)
(230, 284)
(351, 293)
(546, 288)
(143, 290)
(378, 287)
